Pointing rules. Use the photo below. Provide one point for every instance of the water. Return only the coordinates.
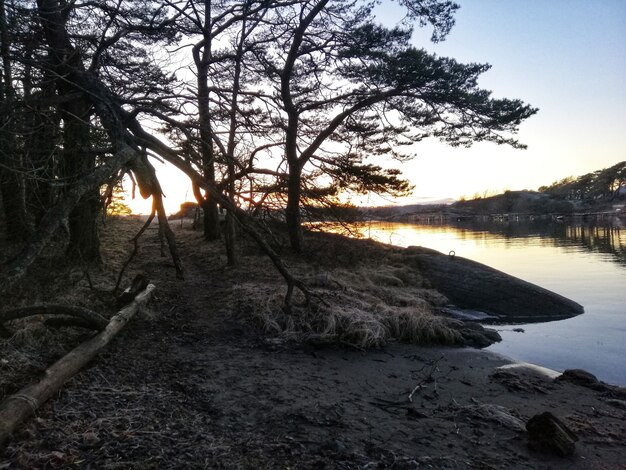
(583, 261)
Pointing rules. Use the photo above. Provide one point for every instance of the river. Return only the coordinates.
(582, 260)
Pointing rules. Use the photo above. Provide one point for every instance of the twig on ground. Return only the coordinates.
(426, 379)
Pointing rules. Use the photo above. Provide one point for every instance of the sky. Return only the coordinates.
(565, 57)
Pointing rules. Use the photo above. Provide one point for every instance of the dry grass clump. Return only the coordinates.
(424, 328)
(369, 296)
(366, 307)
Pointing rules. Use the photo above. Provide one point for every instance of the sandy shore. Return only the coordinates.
(201, 402)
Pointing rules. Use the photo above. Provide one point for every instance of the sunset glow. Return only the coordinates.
(566, 58)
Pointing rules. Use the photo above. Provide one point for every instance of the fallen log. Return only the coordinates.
(475, 286)
(20, 406)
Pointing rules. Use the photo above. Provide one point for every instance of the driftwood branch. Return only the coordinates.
(135, 241)
(86, 316)
(428, 378)
(20, 406)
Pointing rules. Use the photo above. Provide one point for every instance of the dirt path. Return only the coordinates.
(190, 385)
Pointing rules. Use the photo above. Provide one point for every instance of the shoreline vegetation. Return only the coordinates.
(215, 373)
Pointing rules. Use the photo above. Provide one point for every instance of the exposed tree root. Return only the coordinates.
(87, 317)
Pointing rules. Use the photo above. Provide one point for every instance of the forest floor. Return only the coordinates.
(206, 377)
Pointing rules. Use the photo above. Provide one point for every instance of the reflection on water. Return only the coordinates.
(600, 236)
(583, 261)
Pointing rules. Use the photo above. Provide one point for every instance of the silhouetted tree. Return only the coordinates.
(602, 184)
(347, 88)
(225, 131)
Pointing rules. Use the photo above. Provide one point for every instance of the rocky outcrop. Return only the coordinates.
(471, 285)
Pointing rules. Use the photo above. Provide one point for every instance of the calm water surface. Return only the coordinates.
(583, 261)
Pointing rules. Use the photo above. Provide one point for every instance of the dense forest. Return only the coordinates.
(274, 104)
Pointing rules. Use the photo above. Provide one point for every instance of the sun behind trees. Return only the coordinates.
(277, 104)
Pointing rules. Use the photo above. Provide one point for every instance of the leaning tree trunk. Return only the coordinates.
(292, 213)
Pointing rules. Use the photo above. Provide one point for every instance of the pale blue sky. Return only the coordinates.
(566, 57)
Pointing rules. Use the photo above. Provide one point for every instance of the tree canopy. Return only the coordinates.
(283, 104)
(606, 184)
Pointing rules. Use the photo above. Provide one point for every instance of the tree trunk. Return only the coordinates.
(77, 160)
(84, 244)
(230, 238)
(11, 183)
(202, 57)
(12, 189)
(41, 156)
(292, 213)
(211, 217)
(210, 213)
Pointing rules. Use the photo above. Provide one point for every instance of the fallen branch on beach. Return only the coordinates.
(23, 404)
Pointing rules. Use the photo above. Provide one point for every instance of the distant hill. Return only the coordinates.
(600, 191)
(519, 202)
(390, 211)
